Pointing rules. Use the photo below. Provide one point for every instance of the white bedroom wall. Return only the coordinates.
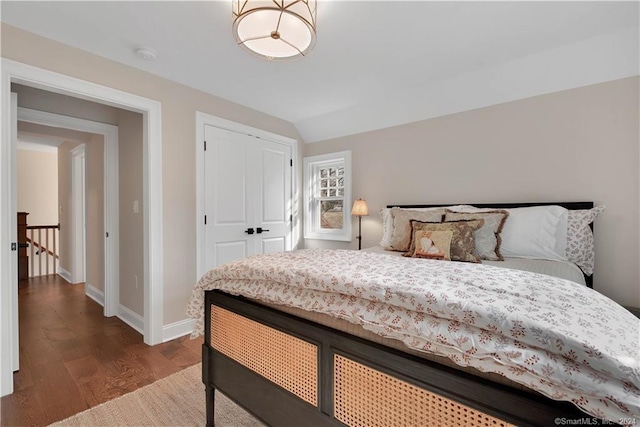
(575, 145)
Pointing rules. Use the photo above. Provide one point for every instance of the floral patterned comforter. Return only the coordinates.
(564, 340)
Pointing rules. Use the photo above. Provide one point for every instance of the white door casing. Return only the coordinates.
(78, 214)
(83, 192)
(16, 72)
(15, 356)
(258, 167)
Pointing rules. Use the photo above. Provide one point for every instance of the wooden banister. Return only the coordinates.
(39, 227)
(43, 247)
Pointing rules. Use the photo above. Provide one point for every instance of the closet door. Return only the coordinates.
(247, 196)
(273, 197)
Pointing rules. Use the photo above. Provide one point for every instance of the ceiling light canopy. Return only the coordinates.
(275, 29)
(146, 53)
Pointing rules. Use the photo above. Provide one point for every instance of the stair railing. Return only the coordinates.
(43, 248)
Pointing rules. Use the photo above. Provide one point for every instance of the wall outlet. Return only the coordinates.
(136, 206)
(135, 280)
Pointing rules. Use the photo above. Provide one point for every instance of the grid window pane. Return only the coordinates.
(331, 179)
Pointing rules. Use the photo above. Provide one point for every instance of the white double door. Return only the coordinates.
(248, 200)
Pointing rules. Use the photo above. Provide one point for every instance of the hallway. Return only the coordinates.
(73, 358)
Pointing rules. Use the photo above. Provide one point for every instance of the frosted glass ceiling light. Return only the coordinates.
(275, 29)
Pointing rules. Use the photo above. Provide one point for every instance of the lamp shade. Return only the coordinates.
(360, 208)
(275, 29)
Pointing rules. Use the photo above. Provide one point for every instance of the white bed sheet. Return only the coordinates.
(561, 269)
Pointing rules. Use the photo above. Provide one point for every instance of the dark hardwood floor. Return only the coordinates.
(73, 358)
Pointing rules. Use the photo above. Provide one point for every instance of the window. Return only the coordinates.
(328, 196)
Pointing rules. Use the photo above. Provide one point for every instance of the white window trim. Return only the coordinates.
(310, 232)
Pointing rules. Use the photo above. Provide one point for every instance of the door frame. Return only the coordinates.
(203, 119)
(110, 299)
(78, 216)
(17, 72)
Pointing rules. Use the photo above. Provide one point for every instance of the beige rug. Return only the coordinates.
(177, 400)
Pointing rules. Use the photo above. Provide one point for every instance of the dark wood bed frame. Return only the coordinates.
(276, 406)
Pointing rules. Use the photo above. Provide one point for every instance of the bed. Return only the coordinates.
(290, 366)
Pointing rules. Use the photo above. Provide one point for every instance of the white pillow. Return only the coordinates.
(538, 232)
(387, 227)
(387, 221)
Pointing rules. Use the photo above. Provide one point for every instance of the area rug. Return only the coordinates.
(177, 400)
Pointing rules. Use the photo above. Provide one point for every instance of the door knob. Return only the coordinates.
(261, 230)
(249, 231)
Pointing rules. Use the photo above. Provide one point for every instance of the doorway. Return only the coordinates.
(15, 72)
(76, 237)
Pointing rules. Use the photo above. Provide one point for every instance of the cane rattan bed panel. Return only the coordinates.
(285, 360)
(390, 402)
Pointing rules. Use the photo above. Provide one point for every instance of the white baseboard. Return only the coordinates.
(64, 274)
(131, 318)
(94, 293)
(169, 332)
(177, 329)
(126, 315)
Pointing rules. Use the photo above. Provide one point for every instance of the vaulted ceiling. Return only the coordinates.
(376, 63)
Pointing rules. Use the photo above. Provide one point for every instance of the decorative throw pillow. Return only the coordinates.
(580, 248)
(387, 221)
(488, 236)
(433, 244)
(463, 241)
(401, 234)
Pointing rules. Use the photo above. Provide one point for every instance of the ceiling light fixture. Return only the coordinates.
(275, 29)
